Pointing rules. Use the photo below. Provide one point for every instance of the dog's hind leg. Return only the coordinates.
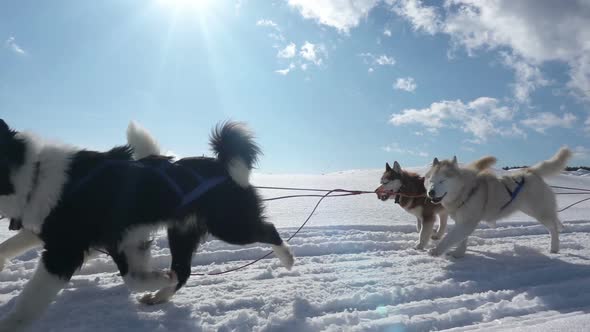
(54, 270)
(22, 242)
(442, 226)
(418, 225)
(425, 232)
(553, 225)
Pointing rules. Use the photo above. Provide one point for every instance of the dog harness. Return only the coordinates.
(185, 198)
(513, 193)
(204, 184)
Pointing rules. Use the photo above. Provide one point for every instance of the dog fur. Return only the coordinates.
(117, 208)
(396, 180)
(471, 196)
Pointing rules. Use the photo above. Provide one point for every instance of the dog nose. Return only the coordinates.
(431, 193)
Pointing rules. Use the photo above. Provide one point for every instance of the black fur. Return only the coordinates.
(12, 155)
(97, 211)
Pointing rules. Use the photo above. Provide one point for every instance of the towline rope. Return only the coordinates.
(343, 193)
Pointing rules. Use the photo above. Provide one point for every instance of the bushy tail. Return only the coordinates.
(483, 163)
(142, 142)
(233, 144)
(554, 165)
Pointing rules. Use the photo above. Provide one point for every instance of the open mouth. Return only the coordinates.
(437, 200)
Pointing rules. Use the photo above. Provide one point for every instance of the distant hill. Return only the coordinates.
(569, 168)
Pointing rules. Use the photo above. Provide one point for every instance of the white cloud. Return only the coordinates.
(482, 118)
(384, 60)
(266, 23)
(312, 52)
(422, 18)
(581, 153)
(528, 77)
(535, 31)
(370, 70)
(374, 60)
(544, 120)
(406, 84)
(286, 70)
(340, 14)
(11, 45)
(387, 32)
(288, 52)
(394, 147)
(276, 34)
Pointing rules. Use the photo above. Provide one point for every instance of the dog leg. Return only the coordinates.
(136, 275)
(459, 252)
(459, 233)
(183, 241)
(17, 245)
(425, 232)
(268, 234)
(442, 226)
(53, 272)
(418, 225)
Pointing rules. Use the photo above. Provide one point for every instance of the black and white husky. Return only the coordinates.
(71, 201)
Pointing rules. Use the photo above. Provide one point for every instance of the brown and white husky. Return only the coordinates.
(407, 188)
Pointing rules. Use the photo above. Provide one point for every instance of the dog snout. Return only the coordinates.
(431, 193)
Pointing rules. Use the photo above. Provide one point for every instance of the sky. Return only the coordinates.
(326, 85)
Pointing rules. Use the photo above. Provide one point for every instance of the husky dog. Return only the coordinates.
(394, 181)
(472, 196)
(72, 201)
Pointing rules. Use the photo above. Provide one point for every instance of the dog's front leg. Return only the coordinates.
(17, 245)
(459, 233)
(425, 232)
(442, 226)
(55, 269)
(183, 241)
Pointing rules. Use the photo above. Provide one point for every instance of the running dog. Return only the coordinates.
(72, 201)
(471, 196)
(396, 182)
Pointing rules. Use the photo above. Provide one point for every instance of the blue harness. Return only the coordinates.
(204, 184)
(513, 193)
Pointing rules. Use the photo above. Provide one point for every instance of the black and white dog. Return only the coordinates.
(72, 201)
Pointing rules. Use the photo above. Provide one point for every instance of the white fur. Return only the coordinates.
(284, 254)
(33, 300)
(468, 206)
(142, 142)
(161, 296)
(54, 160)
(239, 172)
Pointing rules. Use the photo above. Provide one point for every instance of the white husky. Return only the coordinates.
(470, 197)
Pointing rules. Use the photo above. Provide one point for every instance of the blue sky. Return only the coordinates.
(326, 85)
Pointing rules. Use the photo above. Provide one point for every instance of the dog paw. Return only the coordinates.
(161, 296)
(456, 254)
(554, 251)
(2, 263)
(285, 255)
(419, 247)
(435, 237)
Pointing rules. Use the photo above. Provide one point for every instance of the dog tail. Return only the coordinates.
(234, 145)
(483, 163)
(141, 141)
(554, 165)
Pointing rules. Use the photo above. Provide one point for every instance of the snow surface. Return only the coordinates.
(356, 270)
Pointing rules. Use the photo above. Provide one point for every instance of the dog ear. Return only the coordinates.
(3, 127)
(435, 162)
(455, 161)
(387, 167)
(396, 167)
